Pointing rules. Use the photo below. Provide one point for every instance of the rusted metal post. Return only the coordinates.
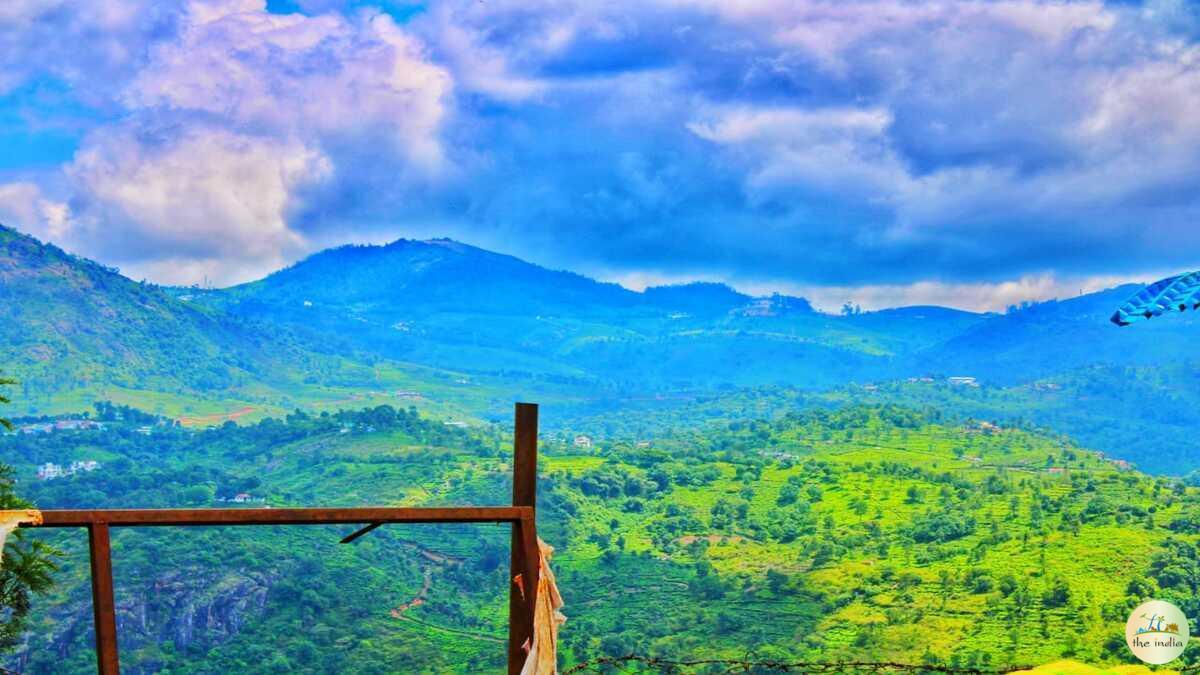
(522, 597)
(103, 606)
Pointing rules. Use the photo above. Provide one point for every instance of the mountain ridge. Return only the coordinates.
(469, 331)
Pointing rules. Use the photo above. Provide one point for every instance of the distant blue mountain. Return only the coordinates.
(72, 324)
(699, 297)
(423, 277)
(1058, 335)
(448, 304)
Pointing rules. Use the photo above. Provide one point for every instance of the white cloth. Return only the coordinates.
(543, 653)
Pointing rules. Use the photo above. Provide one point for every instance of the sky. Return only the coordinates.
(884, 152)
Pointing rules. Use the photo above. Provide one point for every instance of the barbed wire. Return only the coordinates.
(749, 664)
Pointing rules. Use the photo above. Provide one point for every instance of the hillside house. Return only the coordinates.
(75, 425)
(50, 471)
(583, 441)
(963, 381)
(242, 498)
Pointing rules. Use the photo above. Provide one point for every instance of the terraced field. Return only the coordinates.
(867, 533)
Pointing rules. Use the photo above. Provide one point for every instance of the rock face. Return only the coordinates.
(189, 609)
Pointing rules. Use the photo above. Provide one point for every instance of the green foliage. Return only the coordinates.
(941, 527)
(26, 570)
(5, 381)
(678, 549)
(26, 567)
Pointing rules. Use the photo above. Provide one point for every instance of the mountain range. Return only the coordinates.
(480, 329)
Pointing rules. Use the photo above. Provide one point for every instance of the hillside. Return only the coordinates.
(73, 331)
(1051, 337)
(450, 305)
(67, 320)
(463, 332)
(865, 533)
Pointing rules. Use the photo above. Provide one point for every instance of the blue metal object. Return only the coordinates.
(1173, 294)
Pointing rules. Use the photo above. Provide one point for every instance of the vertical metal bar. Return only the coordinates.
(103, 607)
(524, 537)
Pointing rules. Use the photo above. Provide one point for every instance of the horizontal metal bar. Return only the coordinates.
(316, 516)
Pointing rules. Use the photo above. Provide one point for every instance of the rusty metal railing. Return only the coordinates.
(522, 513)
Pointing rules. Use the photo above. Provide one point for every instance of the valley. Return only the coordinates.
(919, 485)
(866, 533)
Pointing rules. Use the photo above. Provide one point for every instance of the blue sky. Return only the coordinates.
(882, 151)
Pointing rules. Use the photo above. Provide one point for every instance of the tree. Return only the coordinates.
(4, 382)
(26, 566)
(1058, 595)
(777, 581)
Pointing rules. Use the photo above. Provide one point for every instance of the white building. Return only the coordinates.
(50, 471)
(583, 441)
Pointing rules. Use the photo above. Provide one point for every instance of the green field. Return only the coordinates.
(862, 534)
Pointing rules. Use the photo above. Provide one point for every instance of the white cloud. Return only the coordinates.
(294, 75)
(92, 46)
(23, 203)
(978, 297)
(232, 123)
(836, 151)
(859, 143)
(210, 194)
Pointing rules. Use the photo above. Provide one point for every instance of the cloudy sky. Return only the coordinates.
(881, 151)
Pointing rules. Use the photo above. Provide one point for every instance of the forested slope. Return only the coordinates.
(876, 533)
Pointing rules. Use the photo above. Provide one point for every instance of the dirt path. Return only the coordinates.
(418, 600)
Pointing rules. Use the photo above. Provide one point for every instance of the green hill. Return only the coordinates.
(864, 533)
(463, 332)
(73, 331)
(450, 305)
